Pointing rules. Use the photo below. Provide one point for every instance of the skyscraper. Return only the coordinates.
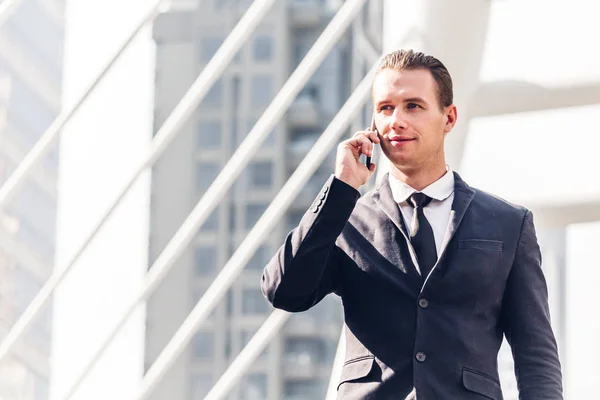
(31, 47)
(297, 364)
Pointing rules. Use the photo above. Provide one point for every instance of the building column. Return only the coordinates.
(99, 151)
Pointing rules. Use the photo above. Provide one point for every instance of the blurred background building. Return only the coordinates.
(535, 144)
(297, 364)
(31, 59)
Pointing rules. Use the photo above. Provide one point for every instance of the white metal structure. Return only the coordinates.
(6, 8)
(205, 206)
(254, 238)
(35, 155)
(163, 138)
(475, 99)
(49, 137)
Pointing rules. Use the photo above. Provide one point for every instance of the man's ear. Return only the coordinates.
(451, 117)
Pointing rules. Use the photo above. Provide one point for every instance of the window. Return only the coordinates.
(305, 389)
(209, 135)
(197, 292)
(253, 214)
(246, 336)
(262, 48)
(27, 286)
(201, 385)
(232, 219)
(261, 90)
(230, 302)
(260, 258)
(214, 96)
(205, 175)
(293, 219)
(209, 46)
(310, 90)
(254, 302)
(204, 345)
(43, 45)
(31, 114)
(305, 352)
(206, 260)
(269, 141)
(305, 38)
(254, 387)
(261, 174)
(212, 222)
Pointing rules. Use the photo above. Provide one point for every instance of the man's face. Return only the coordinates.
(411, 124)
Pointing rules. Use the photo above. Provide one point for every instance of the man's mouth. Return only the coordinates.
(400, 141)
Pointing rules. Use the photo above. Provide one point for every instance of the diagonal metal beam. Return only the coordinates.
(238, 161)
(255, 237)
(7, 8)
(234, 167)
(248, 355)
(27, 166)
(510, 97)
(45, 142)
(165, 135)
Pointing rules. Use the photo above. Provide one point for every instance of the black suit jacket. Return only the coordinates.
(438, 338)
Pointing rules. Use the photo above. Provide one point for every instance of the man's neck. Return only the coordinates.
(419, 179)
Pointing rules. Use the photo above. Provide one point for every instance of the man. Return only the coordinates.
(432, 273)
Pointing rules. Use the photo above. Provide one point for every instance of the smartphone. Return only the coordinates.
(374, 129)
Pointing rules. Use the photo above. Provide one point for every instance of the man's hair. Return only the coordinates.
(410, 60)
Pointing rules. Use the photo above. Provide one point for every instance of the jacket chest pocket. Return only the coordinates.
(476, 259)
(482, 384)
(474, 268)
(480, 245)
(360, 370)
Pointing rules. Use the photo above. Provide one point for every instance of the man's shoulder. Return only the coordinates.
(497, 203)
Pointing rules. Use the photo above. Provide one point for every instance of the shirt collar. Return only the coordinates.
(438, 190)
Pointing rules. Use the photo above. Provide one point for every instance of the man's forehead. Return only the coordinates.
(406, 83)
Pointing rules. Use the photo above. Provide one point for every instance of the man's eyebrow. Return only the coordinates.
(415, 100)
(380, 102)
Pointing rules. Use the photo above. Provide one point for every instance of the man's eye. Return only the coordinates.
(413, 105)
(386, 107)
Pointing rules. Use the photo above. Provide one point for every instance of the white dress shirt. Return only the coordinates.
(437, 211)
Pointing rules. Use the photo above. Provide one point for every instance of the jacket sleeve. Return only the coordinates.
(306, 267)
(527, 322)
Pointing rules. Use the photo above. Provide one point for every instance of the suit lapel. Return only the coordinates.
(463, 195)
(383, 196)
(401, 257)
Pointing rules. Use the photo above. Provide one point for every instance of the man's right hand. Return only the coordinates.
(348, 167)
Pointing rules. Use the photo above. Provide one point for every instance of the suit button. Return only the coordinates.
(421, 357)
(423, 303)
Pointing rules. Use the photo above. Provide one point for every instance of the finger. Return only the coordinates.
(362, 143)
(371, 135)
(366, 147)
(372, 168)
(361, 133)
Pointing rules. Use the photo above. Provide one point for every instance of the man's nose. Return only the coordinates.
(398, 121)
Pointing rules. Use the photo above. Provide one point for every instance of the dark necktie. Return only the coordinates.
(421, 234)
